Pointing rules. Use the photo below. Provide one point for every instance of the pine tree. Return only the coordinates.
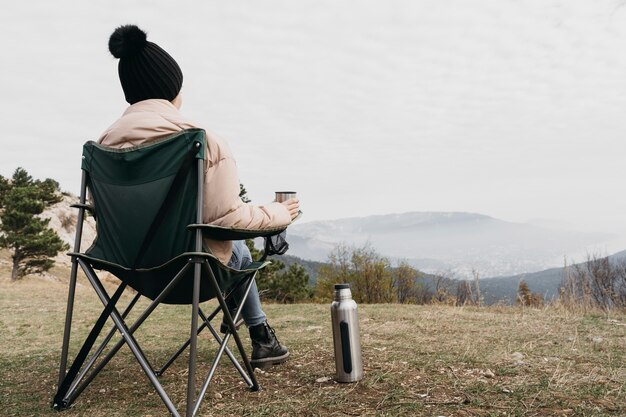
(294, 285)
(288, 286)
(33, 244)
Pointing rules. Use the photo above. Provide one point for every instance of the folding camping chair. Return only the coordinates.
(148, 207)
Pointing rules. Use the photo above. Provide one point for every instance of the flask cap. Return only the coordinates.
(342, 292)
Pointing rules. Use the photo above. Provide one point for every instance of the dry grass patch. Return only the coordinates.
(419, 360)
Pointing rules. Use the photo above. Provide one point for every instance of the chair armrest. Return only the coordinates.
(87, 207)
(229, 233)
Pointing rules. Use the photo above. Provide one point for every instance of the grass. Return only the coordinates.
(418, 360)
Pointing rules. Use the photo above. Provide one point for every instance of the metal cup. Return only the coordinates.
(284, 195)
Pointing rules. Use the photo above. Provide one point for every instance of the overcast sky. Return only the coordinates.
(514, 109)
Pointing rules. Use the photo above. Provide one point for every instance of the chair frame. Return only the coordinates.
(82, 377)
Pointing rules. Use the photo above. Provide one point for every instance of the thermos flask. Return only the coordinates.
(345, 320)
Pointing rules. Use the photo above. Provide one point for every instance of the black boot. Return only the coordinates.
(238, 323)
(266, 349)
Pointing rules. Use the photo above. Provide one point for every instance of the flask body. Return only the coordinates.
(346, 340)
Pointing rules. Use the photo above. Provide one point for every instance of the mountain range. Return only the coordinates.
(455, 243)
(458, 241)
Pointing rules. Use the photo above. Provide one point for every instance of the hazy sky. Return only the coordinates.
(514, 109)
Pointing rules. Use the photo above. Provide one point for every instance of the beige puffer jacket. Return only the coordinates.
(149, 120)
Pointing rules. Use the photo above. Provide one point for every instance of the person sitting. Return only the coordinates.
(151, 81)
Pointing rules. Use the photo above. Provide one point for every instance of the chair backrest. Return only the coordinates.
(144, 198)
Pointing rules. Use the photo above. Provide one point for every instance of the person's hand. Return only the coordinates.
(293, 205)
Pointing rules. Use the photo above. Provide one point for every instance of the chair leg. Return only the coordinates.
(68, 322)
(61, 397)
(72, 286)
(71, 396)
(127, 337)
(228, 352)
(251, 380)
(231, 325)
(191, 381)
(204, 324)
(130, 340)
(224, 348)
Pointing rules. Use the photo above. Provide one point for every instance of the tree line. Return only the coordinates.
(598, 283)
(372, 277)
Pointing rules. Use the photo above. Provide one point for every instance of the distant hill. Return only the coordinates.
(446, 241)
(545, 282)
(504, 289)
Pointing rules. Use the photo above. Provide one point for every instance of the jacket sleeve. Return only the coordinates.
(223, 206)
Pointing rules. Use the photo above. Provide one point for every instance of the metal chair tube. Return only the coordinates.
(72, 285)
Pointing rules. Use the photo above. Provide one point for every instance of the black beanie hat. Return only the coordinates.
(145, 69)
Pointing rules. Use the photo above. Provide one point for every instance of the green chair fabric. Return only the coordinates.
(128, 187)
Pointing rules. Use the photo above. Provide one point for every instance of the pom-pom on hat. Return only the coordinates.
(146, 71)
